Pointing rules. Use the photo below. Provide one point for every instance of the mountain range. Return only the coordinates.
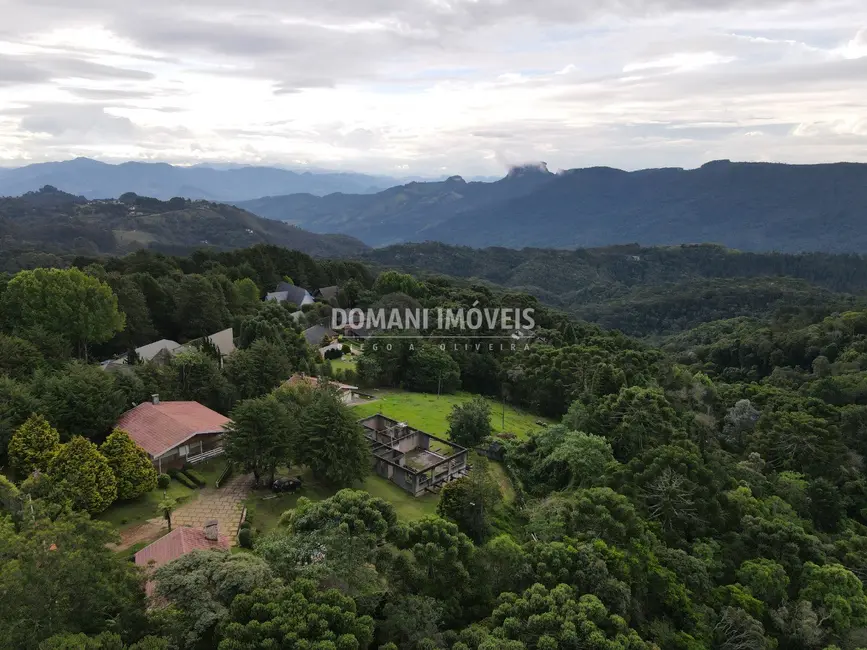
(98, 180)
(748, 206)
(52, 221)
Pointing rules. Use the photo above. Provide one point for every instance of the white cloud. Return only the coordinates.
(423, 86)
(680, 62)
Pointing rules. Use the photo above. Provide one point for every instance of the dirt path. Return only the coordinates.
(149, 531)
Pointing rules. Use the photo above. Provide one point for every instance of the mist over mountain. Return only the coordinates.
(748, 206)
(210, 181)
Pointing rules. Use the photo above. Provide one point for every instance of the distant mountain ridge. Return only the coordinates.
(748, 206)
(53, 221)
(402, 213)
(98, 180)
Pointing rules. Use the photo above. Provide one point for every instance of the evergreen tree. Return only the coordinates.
(130, 464)
(82, 476)
(259, 437)
(330, 441)
(470, 423)
(32, 446)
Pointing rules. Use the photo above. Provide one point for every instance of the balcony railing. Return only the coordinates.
(205, 455)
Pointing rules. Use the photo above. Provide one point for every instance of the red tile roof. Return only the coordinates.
(172, 546)
(157, 428)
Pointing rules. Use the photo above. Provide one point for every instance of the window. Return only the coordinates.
(184, 450)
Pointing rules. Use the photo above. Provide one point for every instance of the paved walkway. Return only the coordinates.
(224, 504)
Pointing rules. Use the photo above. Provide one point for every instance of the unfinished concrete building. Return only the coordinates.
(412, 459)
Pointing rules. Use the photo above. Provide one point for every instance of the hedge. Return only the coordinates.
(245, 538)
(182, 479)
(195, 477)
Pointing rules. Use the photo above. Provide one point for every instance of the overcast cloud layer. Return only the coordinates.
(434, 86)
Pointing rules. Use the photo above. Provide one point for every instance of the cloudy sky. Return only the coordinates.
(433, 86)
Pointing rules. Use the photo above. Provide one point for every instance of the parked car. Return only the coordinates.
(286, 485)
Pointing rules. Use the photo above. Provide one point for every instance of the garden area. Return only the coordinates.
(140, 517)
(264, 514)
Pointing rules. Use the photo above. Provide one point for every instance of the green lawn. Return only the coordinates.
(346, 363)
(429, 413)
(211, 470)
(125, 514)
(506, 488)
(265, 513)
(407, 506)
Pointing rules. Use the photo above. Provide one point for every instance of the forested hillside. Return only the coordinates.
(707, 495)
(749, 206)
(651, 291)
(51, 221)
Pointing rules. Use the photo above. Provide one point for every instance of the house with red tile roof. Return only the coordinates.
(179, 542)
(174, 433)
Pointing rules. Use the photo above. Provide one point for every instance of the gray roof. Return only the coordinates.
(327, 293)
(223, 340)
(279, 296)
(290, 293)
(149, 351)
(315, 334)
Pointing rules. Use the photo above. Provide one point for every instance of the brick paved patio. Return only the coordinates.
(224, 504)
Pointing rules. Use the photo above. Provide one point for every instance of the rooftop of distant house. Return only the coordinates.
(286, 292)
(326, 293)
(314, 335)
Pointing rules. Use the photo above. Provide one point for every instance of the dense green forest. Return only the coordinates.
(652, 291)
(706, 494)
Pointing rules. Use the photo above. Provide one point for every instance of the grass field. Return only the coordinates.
(429, 413)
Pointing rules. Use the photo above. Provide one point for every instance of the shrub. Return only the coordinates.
(334, 353)
(163, 481)
(245, 524)
(184, 480)
(346, 349)
(195, 477)
(181, 478)
(245, 538)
